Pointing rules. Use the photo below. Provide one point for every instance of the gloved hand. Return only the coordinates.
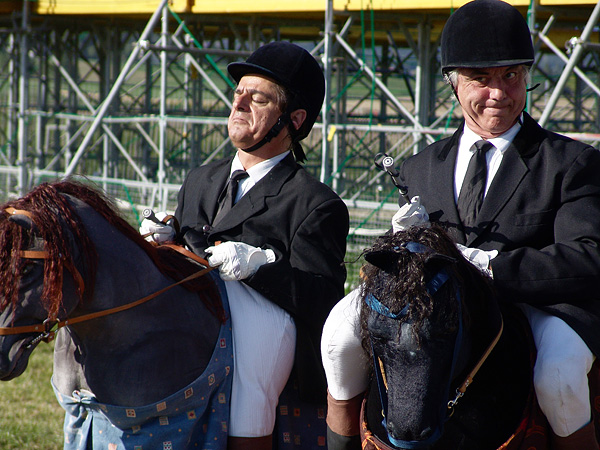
(237, 260)
(410, 214)
(157, 232)
(479, 258)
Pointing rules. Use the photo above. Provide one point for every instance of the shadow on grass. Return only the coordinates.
(30, 416)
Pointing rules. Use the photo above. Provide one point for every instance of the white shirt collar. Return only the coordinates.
(255, 173)
(501, 142)
(493, 156)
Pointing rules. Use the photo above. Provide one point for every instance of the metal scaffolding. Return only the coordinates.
(133, 101)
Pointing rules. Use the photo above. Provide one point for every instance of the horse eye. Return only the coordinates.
(27, 269)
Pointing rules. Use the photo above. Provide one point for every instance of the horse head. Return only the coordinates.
(36, 250)
(419, 296)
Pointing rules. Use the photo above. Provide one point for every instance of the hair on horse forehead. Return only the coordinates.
(400, 279)
(398, 276)
(59, 226)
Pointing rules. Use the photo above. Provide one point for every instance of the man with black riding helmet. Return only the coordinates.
(536, 227)
(280, 247)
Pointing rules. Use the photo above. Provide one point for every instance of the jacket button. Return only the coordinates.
(206, 228)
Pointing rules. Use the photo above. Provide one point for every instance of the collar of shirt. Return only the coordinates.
(255, 173)
(493, 156)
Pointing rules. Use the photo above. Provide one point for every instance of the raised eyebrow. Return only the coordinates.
(475, 73)
(512, 69)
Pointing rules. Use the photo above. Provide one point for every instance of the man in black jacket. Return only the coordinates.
(536, 228)
(280, 247)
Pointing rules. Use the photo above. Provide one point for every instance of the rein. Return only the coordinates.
(49, 328)
(460, 391)
(432, 287)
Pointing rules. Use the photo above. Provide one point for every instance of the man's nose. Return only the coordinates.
(497, 89)
(241, 102)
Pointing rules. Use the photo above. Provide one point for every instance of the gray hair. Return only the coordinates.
(451, 76)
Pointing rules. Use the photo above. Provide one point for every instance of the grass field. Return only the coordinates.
(30, 417)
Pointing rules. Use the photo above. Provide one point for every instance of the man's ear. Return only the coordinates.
(298, 117)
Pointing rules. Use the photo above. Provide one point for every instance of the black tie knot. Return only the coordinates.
(227, 200)
(238, 175)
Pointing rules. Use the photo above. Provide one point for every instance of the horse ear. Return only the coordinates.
(437, 261)
(384, 259)
(22, 220)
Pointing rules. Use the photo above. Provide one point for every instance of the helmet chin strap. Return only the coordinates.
(283, 120)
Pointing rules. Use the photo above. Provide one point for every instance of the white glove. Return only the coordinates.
(159, 233)
(238, 261)
(410, 214)
(479, 258)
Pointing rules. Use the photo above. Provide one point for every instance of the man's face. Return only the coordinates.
(254, 112)
(491, 98)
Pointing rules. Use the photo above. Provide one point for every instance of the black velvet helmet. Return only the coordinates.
(486, 33)
(295, 69)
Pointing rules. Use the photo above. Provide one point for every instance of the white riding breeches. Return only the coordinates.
(344, 360)
(560, 372)
(264, 344)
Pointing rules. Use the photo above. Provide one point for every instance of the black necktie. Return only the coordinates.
(473, 187)
(228, 199)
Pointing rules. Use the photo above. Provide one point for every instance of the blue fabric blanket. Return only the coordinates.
(196, 417)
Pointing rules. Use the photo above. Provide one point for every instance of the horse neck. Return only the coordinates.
(173, 328)
(124, 274)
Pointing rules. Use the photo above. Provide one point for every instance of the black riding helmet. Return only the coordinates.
(296, 70)
(486, 33)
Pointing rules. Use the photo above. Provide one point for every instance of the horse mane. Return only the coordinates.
(54, 218)
(403, 283)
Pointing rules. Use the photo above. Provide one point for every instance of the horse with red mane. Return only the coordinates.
(136, 325)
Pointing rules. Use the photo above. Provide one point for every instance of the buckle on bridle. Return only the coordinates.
(50, 329)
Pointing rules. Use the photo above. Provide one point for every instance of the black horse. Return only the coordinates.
(431, 322)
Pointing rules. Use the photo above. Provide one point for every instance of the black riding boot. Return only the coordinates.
(338, 442)
(343, 421)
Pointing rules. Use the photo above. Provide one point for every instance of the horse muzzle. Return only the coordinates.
(13, 362)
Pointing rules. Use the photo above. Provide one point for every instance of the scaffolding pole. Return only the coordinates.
(115, 89)
(568, 70)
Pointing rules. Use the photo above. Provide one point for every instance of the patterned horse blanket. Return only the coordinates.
(195, 417)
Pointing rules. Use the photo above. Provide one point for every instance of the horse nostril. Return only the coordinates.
(426, 434)
(409, 434)
(401, 432)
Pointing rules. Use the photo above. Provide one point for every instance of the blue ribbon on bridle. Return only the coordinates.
(436, 282)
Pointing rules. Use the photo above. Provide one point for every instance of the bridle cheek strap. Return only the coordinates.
(43, 254)
(34, 254)
(432, 287)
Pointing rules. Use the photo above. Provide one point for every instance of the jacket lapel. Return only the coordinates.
(254, 200)
(219, 178)
(444, 176)
(510, 174)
